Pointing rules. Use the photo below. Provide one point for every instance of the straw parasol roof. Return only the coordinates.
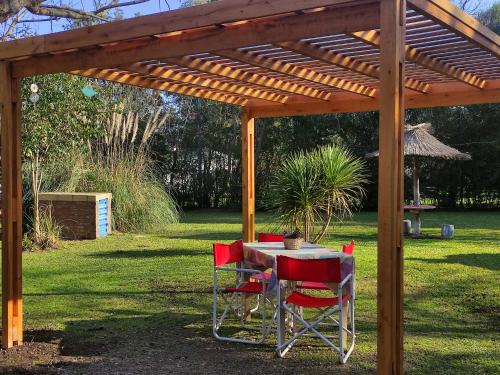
(419, 142)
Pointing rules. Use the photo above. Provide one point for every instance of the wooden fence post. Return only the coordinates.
(12, 304)
(390, 188)
(248, 175)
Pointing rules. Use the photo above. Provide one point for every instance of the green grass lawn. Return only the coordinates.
(132, 300)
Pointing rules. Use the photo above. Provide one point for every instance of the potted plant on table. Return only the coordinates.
(293, 241)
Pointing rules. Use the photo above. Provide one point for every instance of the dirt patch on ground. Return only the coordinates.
(158, 351)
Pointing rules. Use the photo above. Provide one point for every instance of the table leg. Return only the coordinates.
(416, 223)
(247, 307)
(282, 314)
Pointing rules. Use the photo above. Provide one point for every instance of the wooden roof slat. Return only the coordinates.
(258, 79)
(459, 22)
(135, 80)
(205, 83)
(298, 72)
(413, 54)
(346, 62)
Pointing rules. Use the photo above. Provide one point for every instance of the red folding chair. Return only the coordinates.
(225, 254)
(349, 249)
(270, 237)
(346, 249)
(267, 237)
(318, 270)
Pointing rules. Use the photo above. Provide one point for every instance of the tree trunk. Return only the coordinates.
(35, 190)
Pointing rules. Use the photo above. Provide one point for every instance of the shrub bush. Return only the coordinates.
(140, 202)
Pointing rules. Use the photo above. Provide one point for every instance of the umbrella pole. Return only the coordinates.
(416, 198)
(416, 183)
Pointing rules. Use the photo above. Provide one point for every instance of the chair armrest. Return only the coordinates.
(346, 279)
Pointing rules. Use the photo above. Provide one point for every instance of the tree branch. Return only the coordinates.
(118, 5)
(62, 12)
(9, 8)
(13, 24)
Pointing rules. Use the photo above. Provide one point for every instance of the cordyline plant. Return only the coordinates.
(313, 190)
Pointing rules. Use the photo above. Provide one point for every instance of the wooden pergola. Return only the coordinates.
(272, 58)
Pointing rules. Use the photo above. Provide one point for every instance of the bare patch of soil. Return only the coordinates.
(158, 351)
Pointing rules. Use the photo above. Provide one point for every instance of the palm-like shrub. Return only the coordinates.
(312, 190)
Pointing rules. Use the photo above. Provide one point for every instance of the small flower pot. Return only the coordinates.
(293, 243)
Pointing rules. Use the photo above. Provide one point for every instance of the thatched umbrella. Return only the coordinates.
(419, 143)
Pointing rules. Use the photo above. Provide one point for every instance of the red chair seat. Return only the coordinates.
(315, 285)
(250, 288)
(304, 300)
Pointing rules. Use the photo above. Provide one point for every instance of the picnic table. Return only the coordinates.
(416, 210)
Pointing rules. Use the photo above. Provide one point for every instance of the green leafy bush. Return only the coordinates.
(311, 190)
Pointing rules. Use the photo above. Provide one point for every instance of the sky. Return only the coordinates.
(152, 6)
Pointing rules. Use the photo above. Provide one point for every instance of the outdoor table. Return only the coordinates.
(415, 211)
(263, 254)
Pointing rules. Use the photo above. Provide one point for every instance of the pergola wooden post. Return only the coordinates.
(12, 303)
(248, 174)
(390, 188)
(273, 58)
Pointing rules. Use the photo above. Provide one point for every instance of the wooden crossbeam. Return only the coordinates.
(347, 19)
(216, 13)
(346, 62)
(134, 80)
(455, 19)
(441, 95)
(248, 77)
(372, 37)
(296, 71)
(205, 83)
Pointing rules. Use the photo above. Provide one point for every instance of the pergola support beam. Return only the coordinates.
(248, 174)
(12, 303)
(390, 189)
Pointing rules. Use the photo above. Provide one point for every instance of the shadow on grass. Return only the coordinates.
(141, 253)
(176, 341)
(206, 236)
(434, 362)
(481, 260)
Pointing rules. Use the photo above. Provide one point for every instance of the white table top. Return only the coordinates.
(264, 253)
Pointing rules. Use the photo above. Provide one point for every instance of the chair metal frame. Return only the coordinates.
(324, 313)
(237, 310)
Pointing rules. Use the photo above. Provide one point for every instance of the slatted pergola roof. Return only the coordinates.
(278, 57)
(272, 58)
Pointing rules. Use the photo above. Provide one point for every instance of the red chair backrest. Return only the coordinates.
(270, 237)
(228, 253)
(348, 249)
(321, 270)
